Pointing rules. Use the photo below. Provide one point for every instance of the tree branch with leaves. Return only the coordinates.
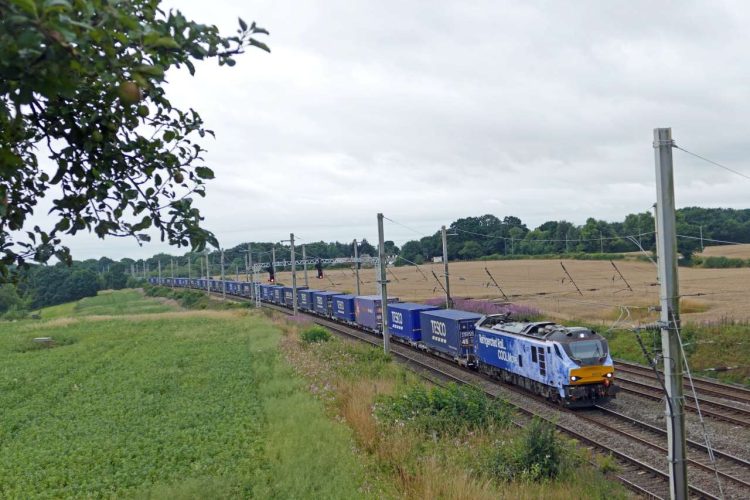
(82, 81)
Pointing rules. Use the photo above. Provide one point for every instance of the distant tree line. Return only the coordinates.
(41, 286)
(489, 236)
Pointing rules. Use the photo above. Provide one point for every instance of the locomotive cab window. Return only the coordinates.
(533, 354)
(520, 361)
(586, 352)
(557, 351)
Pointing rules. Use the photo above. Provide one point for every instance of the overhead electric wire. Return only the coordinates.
(570, 240)
(407, 227)
(712, 162)
(709, 239)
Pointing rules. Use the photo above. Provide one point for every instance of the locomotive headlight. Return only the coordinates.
(609, 375)
(574, 378)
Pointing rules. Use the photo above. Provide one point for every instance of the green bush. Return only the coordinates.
(720, 262)
(14, 313)
(541, 454)
(315, 333)
(444, 410)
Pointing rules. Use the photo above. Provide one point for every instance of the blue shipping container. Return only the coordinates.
(449, 331)
(305, 299)
(278, 294)
(343, 308)
(266, 293)
(367, 311)
(288, 294)
(323, 303)
(403, 320)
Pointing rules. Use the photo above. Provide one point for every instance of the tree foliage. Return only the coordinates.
(475, 237)
(83, 82)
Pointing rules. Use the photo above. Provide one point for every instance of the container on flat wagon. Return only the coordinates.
(278, 294)
(323, 302)
(305, 299)
(368, 311)
(450, 331)
(404, 321)
(266, 293)
(246, 289)
(288, 294)
(343, 308)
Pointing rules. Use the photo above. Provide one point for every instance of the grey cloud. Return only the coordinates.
(430, 111)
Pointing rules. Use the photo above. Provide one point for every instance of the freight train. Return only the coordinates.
(568, 365)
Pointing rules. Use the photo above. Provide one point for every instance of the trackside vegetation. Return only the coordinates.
(137, 398)
(424, 441)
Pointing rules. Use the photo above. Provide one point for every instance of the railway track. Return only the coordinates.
(708, 387)
(721, 411)
(637, 474)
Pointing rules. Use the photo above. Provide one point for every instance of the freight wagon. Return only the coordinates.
(305, 299)
(450, 332)
(368, 312)
(403, 320)
(343, 308)
(323, 302)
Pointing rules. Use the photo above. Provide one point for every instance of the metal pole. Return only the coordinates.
(190, 270)
(171, 266)
(448, 299)
(702, 239)
(273, 259)
(294, 273)
(670, 312)
(208, 275)
(237, 271)
(356, 266)
(250, 267)
(201, 263)
(601, 242)
(160, 273)
(304, 263)
(383, 287)
(223, 281)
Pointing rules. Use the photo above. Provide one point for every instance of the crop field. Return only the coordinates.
(731, 251)
(709, 294)
(139, 399)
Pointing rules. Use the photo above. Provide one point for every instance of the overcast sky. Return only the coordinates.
(430, 111)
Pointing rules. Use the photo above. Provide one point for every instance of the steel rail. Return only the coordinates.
(702, 385)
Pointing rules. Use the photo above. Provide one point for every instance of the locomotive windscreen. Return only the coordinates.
(587, 352)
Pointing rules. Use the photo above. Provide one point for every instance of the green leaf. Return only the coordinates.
(165, 42)
(146, 69)
(260, 45)
(27, 6)
(204, 172)
(243, 24)
(59, 5)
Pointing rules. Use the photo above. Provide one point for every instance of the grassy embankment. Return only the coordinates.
(141, 399)
(435, 442)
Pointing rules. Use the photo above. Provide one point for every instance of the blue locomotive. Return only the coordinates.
(568, 365)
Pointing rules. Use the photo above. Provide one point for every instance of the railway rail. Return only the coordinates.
(702, 385)
(641, 475)
(721, 411)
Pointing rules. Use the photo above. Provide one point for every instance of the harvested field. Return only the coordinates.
(731, 251)
(710, 294)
